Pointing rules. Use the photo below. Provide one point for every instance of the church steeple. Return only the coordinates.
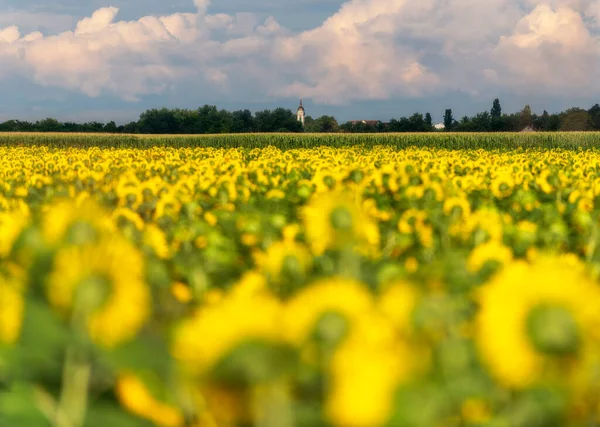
(301, 113)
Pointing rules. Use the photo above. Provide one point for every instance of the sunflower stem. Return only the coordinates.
(349, 265)
(72, 404)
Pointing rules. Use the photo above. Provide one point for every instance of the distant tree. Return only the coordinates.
(309, 124)
(464, 125)
(525, 117)
(482, 122)
(242, 121)
(575, 119)
(209, 119)
(323, 124)
(417, 123)
(448, 120)
(9, 126)
(496, 111)
(554, 122)
(158, 121)
(275, 120)
(361, 127)
(49, 125)
(93, 127)
(547, 122)
(346, 127)
(496, 123)
(131, 127)
(428, 122)
(594, 113)
(542, 122)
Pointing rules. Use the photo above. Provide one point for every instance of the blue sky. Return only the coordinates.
(357, 59)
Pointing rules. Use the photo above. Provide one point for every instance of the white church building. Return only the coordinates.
(301, 113)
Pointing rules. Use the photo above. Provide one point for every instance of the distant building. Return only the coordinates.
(439, 126)
(301, 113)
(365, 122)
(528, 128)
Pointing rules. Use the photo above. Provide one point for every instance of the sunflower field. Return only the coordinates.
(361, 285)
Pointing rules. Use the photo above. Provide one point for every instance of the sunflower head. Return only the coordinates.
(75, 223)
(12, 223)
(341, 297)
(285, 262)
(537, 319)
(102, 285)
(336, 220)
(216, 329)
(12, 304)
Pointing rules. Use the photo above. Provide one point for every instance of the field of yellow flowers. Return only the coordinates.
(352, 286)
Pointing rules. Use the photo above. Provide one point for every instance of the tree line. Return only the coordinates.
(209, 120)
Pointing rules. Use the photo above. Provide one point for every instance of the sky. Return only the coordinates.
(357, 59)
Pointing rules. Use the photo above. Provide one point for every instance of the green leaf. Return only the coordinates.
(43, 340)
(18, 407)
(254, 362)
(104, 415)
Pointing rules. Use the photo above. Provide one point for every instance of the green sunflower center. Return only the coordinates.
(553, 330)
(341, 219)
(331, 328)
(93, 292)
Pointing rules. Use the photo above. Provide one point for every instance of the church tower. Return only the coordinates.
(301, 113)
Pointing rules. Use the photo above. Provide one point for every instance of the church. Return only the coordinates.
(301, 113)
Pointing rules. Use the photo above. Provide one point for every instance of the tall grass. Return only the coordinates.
(564, 140)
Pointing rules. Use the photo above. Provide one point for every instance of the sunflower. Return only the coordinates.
(216, 329)
(537, 318)
(11, 226)
(458, 206)
(334, 220)
(370, 358)
(284, 259)
(12, 304)
(397, 303)
(155, 238)
(491, 250)
(346, 297)
(135, 397)
(502, 185)
(104, 282)
(77, 222)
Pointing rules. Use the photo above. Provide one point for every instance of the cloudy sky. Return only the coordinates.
(356, 59)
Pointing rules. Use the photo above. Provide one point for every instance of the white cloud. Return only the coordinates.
(551, 49)
(99, 21)
(10, 35)
(354, 55)
(368, 49)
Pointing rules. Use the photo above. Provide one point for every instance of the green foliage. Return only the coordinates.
(208, 119)
(575, 119)
(448, 120)
(447, 140)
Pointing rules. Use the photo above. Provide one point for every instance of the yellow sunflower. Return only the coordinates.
(104, 282)
(334, 220)
(347, 297)
(11, 225)
(534, 318)
(284, 256)
(12, 305)
(491, 250)
(365, 371)
(80, 222)
(136, 398)
(216, 329)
